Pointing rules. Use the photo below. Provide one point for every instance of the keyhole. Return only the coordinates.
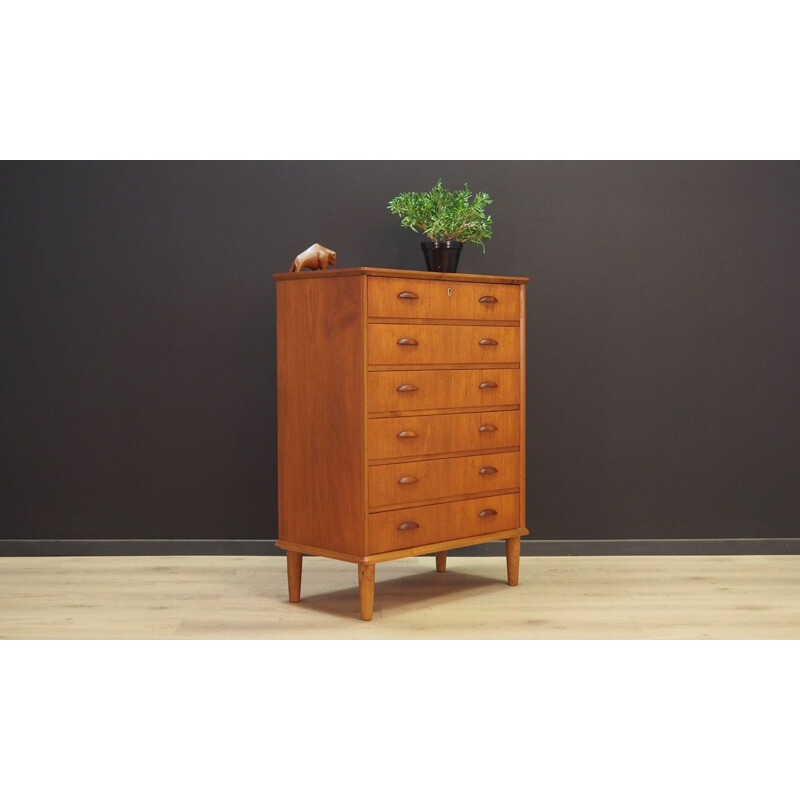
(449, 292)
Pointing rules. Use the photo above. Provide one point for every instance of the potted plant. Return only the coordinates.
(448, 219)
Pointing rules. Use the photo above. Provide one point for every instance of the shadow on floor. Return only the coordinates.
(411, 592)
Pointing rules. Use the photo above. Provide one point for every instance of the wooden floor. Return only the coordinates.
(245, 597)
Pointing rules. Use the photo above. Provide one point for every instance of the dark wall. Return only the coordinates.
(138, 374)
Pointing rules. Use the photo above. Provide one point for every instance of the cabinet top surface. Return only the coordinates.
(397, 273)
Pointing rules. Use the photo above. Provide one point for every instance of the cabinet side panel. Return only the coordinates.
(321, 447)
(522, 406)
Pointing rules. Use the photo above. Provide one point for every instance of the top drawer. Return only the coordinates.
(441, 299)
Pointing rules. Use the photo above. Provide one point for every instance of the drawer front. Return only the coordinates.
(409, 527)
(416, 481)
(441, 299)
(415, 390)
(412, 437)
(409, 343)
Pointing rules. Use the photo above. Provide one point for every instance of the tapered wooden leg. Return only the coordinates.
(294, 569)
(512, 560)
(366, 589)
(441, 561)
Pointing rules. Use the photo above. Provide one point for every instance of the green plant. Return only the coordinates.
(443, 215)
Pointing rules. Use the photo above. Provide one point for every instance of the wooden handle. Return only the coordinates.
(487, 428)
(488, 342)
(407, 435)
(408, 342)
(410, 296)
(407, 526)
(487, 470)
(408, 387)
(487, 512)
(406, 479)
(488, 385)
(487, 298)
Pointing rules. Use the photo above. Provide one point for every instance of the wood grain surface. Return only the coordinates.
(442, 521)
(244, 597)
(416, 390)
(441, 299)
(321, 439)
(410, 343)
(415, 436)
(410, 483)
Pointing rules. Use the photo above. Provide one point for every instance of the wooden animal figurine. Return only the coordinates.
(315, 257)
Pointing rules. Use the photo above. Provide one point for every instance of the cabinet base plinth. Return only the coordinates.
(366, 564)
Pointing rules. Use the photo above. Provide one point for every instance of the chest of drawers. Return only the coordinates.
(401, 417)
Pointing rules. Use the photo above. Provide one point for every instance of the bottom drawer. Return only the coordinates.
(409, 527)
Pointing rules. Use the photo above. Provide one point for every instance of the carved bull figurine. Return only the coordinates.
(315, 257)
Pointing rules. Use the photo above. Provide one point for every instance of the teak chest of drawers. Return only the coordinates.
(401, 417)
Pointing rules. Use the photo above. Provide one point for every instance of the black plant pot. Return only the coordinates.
(442, 256)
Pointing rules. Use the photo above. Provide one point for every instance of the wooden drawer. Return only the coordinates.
(412, 437)
(409, 527)
(414, 390)
(412, 482)
(410, 343)
(411, 298)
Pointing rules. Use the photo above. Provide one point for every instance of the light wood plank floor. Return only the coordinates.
(244, 597)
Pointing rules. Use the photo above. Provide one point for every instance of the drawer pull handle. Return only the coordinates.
(407, 526)
(487, 298)
(487, 512)
(488, 342)
(408, 342)
(487, 471)
(487, 428)
(406, 479)
(488, 385)
(408, 387)
(408, 296)
(407, 435)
